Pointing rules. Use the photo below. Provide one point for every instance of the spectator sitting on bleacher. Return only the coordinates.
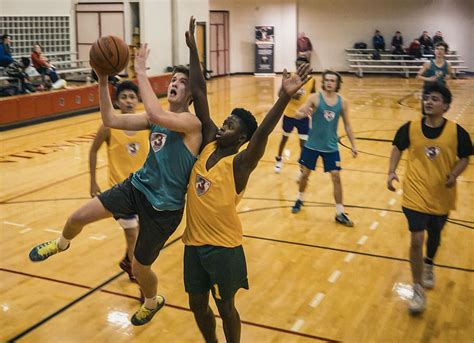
(426, 43)
(397, 44)
(378, 41)
(16, 70)
(438, 37)
(415, 49)
(42, 64)
(6, 51)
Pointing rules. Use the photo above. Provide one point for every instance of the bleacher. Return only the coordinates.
(361, 61)
(67, 65)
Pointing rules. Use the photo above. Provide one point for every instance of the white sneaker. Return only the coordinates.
(417, 303)
(428, 278)
(278, 164)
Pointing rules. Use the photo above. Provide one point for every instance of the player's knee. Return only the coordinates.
(226, 309)
(336, 177)
(199, 305)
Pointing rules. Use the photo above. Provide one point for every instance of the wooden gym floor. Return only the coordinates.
(311, 280)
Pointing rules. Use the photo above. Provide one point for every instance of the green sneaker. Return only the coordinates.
(144, 315)
(42, 251)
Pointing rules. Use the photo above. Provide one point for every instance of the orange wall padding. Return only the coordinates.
(26, 107)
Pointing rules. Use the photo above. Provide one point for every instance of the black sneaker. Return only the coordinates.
(343, 219)
(144, 315)
(297, 206)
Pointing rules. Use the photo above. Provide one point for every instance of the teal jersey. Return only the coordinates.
(439, 72)
(164, 177)
(323, 134)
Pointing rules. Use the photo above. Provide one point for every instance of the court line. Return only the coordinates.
(48, 185)
(75, 301)
(177, 307)
(308, 245)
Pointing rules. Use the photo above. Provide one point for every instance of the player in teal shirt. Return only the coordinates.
(325, 109)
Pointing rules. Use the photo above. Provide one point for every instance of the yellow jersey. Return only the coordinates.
(429, 162)
(295, 104)
(211, 209)
(126, 153)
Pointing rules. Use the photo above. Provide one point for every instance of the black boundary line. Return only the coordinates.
(82, 297)
(349, 206)
(182, 308)
(351, 251)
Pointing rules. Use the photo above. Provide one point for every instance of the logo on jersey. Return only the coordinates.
(432, 152)
(329, 115)
(133, 148)
(157, 141)
(439, 73)
(202, 185)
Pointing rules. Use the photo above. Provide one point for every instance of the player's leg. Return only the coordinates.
(197, 284)
(435, 226)
(303, 129)
(90, 212)
(417, 223)
(308, 163)
(130, 228)
(288, 125)
(155, 229)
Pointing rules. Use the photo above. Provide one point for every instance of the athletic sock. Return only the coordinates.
(151, 303)
(339, 208)
(300, 196)
(62, 242)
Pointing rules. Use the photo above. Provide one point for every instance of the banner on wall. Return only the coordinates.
(264, 50)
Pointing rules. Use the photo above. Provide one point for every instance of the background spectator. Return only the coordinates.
(438, 37)
(415, 48)
(42, 64)
(378, 41)
(5, 51)
(304, 46)
(426, 43)
(397, 44)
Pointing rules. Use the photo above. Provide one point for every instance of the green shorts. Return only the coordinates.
(221, 270)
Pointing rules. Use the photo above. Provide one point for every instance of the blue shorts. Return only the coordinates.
(331, 160)
(302, 126)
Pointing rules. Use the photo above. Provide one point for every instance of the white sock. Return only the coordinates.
(62, 242)
(300, 196)
(151, 303)
(339, 208)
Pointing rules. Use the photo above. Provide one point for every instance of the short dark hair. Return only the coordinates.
(5, 36)
(332, 72)
(301, 60)
(248, 119)
(181, 69)
(397, 32)
(438, 87)
(126, 85)
(442, 43)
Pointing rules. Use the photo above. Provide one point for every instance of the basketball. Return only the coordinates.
(108, 55)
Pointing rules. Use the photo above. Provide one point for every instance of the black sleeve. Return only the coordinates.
(464, 143)
(402, 139)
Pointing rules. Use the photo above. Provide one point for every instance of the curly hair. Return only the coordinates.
(248, 119)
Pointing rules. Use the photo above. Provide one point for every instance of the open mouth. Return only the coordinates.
(173, 92)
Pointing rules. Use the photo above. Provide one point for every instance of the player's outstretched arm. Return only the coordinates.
(198, 87)
(134, 122)
(184, 122)
(249, 158)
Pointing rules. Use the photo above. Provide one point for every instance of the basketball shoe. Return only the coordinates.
(428, 278)
(343, 219)
(417, 303)
(144, 315)
(278, 164)
(44, 250)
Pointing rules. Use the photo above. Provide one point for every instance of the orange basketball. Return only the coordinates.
(108, 55)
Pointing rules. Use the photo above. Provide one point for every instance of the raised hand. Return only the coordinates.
(291, 84)
(141, 55)
(190, 40)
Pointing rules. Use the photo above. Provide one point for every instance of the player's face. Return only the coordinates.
(127, 101)
(330, 83)
(230, 132)
(440, 51)
(434, 104)
(178, 89)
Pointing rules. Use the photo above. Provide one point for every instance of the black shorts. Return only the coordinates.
(156, 227)
(419, 221)
(221, 270)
